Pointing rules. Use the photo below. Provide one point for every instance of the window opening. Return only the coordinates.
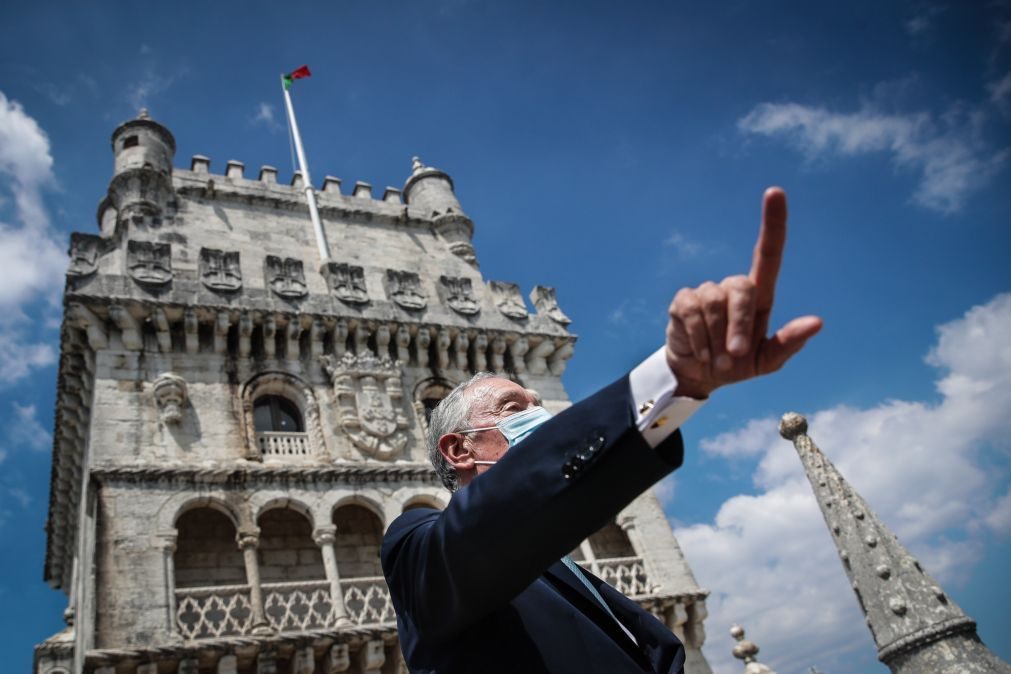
(274, 413)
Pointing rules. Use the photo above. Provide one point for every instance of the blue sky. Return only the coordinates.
(618, 153)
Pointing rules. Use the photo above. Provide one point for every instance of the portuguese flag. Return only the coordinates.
(296, 74)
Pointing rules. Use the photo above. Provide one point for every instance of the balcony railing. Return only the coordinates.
(208, 612)
(367, 601)
(625, 574)
(275, 443)
(225, 610)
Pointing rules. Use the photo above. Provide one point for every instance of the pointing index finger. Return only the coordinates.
(769, 248)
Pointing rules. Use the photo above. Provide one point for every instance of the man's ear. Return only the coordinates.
(452, 449)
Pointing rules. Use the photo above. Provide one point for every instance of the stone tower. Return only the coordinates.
(236, 424)
(916, 626)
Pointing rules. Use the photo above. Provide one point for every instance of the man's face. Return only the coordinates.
(491, 400)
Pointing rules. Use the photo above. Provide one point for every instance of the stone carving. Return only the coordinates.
(421, 344)
(480, 346)
(219, 270)
(509, 300)
(170, 394)
(285, 276)
(459, 295)
(83, 254)
(547, 303)
(149, 263)
(370, 401)
(404, 288)
(347, 282)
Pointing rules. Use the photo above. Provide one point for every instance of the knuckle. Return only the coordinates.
(738, 283)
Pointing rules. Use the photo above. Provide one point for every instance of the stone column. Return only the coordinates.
(166, 541)
(325, 537)
(248, 540)
(589, 556)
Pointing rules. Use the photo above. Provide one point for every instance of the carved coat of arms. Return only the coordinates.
(285, 276)
(149, 263)
(370, 401)
(219, 270)
(459, 293)
(347, 282)
(546, 301)
(404, 288)
(508, 299)
(83, 254)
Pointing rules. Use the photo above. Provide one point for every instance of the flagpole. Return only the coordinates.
(310, 193)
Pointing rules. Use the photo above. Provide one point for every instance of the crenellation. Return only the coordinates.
(362, 190)
(200, 164)
(391, 195)
(297, 182)
(234, 169)
(331, 186)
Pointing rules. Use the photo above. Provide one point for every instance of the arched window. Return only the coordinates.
(278, 414)
(427, 395)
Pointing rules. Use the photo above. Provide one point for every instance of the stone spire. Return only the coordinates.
(916, 626)
(747, 650)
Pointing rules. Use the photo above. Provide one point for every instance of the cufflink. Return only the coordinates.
(646, 406)
(659, 422)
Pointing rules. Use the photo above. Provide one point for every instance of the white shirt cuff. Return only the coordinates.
(657, 410)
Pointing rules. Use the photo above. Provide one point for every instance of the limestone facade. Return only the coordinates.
(237, 424)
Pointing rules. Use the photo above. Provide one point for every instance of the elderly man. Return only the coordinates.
(485, 585)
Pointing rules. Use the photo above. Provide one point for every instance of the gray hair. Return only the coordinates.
(450, 415)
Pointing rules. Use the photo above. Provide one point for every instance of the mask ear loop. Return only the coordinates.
(484, 463)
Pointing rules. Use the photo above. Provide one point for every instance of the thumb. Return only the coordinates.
(787, 341)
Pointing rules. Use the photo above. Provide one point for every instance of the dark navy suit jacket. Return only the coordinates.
(479, 586)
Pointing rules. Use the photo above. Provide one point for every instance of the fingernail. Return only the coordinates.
(723, 362)
(738, 345)
(704, 355)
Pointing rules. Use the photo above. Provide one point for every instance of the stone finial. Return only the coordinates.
(200, 164)
(416, 165)
(747, 650)
(170, 394)
(143, 114)
(792, 425)
(234, 169)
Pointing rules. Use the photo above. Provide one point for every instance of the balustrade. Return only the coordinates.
(298, 606)
(276, 443)
(625, 574)
(208, 612)
(367, 601)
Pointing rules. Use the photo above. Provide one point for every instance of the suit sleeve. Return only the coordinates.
(570, 477)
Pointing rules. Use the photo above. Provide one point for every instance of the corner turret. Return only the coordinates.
(141, 185)
(431, 190)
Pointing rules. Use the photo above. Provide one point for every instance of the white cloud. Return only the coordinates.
(25, 429)
(139, 94)
(265, 117)
(685, 247)
(946, 152)
(769, 558)
(31, 255)
(1000, 91)
(922, 22)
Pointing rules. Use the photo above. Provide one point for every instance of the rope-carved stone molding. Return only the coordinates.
(255, 474)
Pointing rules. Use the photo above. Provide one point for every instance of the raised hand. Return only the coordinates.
(717, 331)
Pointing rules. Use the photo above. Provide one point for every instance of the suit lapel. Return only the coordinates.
(656, 641)
(573, 589)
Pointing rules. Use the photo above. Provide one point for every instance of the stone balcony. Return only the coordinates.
(226, 610)
(278, 444)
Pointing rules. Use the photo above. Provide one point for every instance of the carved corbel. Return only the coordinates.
(498, 348)
(361, 337)
(129, 330)
(461, 347)
(421, 344)
(442, 343)
(83, 317)
(517, 350)
(222, 323)
(383, 341)
(337, 659)
(270, 335)
(403, 341)
(340, 338)
(537, 357)
(170, 394)
(163, 330)
(372, 656)
(245, 335)
(316, 333)
(480, 347)
(293, 332)
(191, 326)
(557, 361)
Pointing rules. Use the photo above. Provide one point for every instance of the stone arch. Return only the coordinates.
(273, 503)
(286, 550)
(611, 541)
(296, 391)
(206, 553)
(179, 504)
(424, 501)
(370, 500)
(359, 537)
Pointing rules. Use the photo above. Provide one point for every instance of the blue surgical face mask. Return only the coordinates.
(515, 427)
